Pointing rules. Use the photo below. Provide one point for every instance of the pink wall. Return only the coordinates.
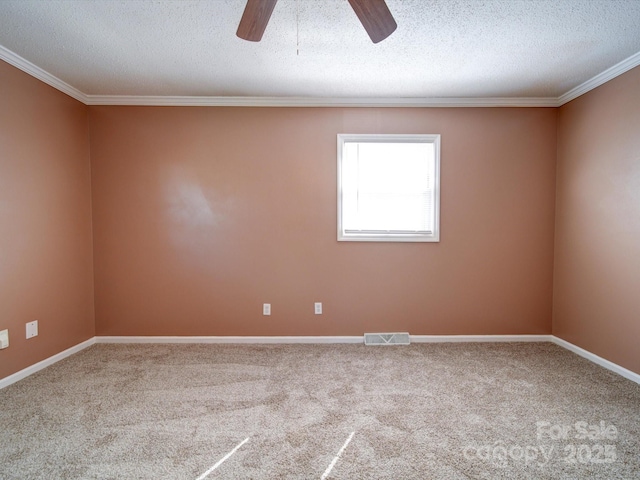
(597, 249)
(200, 215)
(46, 271)
(203, 214)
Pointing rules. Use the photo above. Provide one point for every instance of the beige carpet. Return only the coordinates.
(429, 411)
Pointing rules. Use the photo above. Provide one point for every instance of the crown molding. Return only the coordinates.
(182, 101)
(37, 72)
(609, 74)
(214, 101)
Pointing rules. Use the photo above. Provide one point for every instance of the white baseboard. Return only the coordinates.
(325, 339)
(232, 340)
(479, 338)
(6, 381)
(357, 339)
(614, 367)
(628, 374)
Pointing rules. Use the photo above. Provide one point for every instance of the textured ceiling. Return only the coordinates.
(317, 48)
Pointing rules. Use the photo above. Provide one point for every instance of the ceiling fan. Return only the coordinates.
(373, 14)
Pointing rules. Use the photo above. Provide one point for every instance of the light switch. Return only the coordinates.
(4, 339)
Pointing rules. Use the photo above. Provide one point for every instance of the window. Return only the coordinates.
(388, 188)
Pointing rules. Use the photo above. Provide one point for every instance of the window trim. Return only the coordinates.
(392, 237)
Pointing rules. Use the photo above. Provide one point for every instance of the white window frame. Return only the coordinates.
(390, 235)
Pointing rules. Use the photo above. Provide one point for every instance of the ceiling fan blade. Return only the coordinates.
(375, 18)
(255, 19)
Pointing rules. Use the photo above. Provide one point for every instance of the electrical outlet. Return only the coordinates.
(266, 309)
(32, 329)
(4, 339)
(317, 308)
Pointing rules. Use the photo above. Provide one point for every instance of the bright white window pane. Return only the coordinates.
(388, 187)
